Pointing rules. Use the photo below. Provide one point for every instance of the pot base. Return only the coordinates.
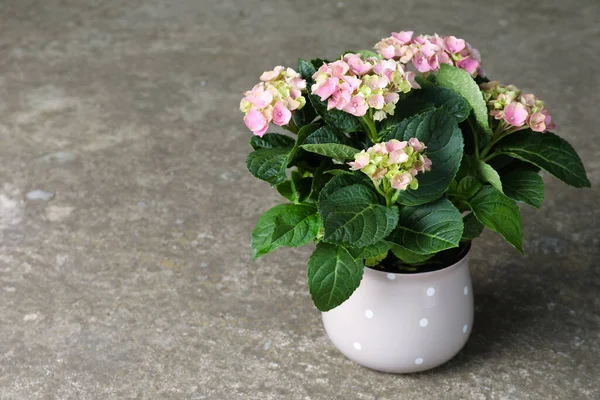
(403, 323)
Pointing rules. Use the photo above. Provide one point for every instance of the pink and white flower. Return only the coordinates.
(428, 52)
(396, 163)
(273, 99)
(516, 110)
(355, 84)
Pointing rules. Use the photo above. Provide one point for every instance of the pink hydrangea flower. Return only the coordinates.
(398, 157)
(379, 149)
(355, 84)
(361, 160)
(396, 162)
(357, 106)
(379, 174)
(273, 99)
(428, 52)
(548, 120)
(395, 144)
(281, 115)
(402, 180)
(416, 144)
(256, 122)
(516, 109)
(515, 114)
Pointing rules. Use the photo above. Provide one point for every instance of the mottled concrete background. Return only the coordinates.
(126, 207)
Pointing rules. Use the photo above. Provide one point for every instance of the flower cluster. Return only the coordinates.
(355, 85)
(517, 110)
(273, 99)
(398, 162)
(427, 52)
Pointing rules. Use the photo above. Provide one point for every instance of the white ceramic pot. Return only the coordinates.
(404, 323)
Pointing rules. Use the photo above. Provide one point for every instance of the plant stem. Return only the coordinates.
(370, 125)
(489, 157)
(475, 138)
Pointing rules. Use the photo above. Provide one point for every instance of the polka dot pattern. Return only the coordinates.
(423, 321)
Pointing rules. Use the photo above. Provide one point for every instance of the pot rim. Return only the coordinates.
(427, 273)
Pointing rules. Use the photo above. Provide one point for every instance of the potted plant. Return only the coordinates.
(396, 160)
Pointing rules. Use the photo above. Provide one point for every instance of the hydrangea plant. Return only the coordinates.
(397, 159)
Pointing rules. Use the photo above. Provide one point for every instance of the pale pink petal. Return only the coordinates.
(395, 144)
(398, 157)
(256, 122)
(416, 144)
(281, 115)
(421, 62)
(326, 88)
(401, 181)
(453, 44)
(403, 37)
(468, 64)
(515, 114)
(548, 120)
(376, 101)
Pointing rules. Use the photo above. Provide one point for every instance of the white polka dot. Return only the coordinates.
(465, 328)
(430, 292)
(424, 322)
(357, 346)
(391, 276)
(419, 361)
(369, 314)
(466, 290)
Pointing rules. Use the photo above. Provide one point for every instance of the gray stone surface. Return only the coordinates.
(135, 281)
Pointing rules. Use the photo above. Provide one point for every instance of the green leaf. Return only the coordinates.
(271, 140)
(306, 70)
(499, 213)
(453, 103)
(269, 164)
(338, 119)
(408, 256)
(488, 174)
(287, 190)
(373, 261)
(288, 225)
(339, 152)
(305, 115)
(473, 228)
(303, 133)
(524, 186)
(405, 108)
(333, 275)
(370, 251)
(480, 169)
(352, 215)
(462, 83)
(466, 188)
(326, 134)
(428, 228)
(443, 138)
(549, 152)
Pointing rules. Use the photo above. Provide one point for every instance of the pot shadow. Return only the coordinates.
(523, 311)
